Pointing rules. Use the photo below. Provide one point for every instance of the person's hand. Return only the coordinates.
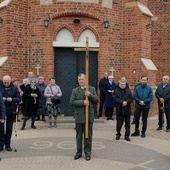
(87, 93)
(86, 103)
(4, 98)
(2, 120)
(9, 99)
(110, 91)
(124, 103)
(142, 103)
(162, 100)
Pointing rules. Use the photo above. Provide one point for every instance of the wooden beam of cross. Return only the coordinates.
(38, 69)
(112, 71)
(87, 49)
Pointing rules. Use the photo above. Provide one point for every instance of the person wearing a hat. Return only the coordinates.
(109, 101)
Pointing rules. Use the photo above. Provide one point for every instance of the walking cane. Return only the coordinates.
(163, 111)
(16, 129)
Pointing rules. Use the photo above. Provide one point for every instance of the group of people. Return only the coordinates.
(33, 98)
(120, 96)
(112, 95)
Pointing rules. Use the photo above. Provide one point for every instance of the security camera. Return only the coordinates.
(76, 21)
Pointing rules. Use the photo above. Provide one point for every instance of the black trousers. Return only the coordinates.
(102, 97)
(120, 119)
(80, 129)
(144, 112)
(5, 135)
(167, 113)
(109, 112)
(160, 117)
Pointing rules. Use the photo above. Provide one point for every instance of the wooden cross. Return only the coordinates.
(112, 71)
(87, 49)
(38, 69)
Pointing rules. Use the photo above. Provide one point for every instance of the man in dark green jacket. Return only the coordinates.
(79, 102)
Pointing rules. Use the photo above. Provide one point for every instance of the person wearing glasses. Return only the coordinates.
(162, 94)
(31, 96)
(11, 98)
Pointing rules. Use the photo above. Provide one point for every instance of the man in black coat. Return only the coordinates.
(163, 95)
(102, 84)
(11, 97)
(123, 98)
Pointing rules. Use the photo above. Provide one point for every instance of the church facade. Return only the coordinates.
(127, 37)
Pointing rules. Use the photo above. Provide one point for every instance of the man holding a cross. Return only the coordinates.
(80, 99)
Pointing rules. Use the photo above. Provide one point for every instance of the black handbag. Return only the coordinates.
(55, 99)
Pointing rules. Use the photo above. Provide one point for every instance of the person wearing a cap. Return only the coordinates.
(109, 101)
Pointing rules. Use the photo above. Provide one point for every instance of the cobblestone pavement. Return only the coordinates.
(54, 148)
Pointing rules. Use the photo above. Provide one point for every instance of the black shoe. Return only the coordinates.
(1, 149)
(159, 128)
(135, 134)
(127, 138)
(107, 118)
(37, 119)
(133, 122)
(167, 130)
(9, 149)
(88, 158)
(111, 118)
(143, 135)
(33, 127)
(117, 137)
(22, 128)
(77, 157)
(43, 119)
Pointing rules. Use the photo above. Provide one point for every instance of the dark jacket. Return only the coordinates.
(77, 100)
(11, 91)
(121, 95)
(109, 102)
(163, 93)
(2, 108)
(31, 103)
(143, 93)
(102, 84)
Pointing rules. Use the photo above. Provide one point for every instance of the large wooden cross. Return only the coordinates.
(87, 49)
(112, 71)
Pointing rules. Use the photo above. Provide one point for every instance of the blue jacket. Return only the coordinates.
(143, 93)
(2, 108)
(11, 91)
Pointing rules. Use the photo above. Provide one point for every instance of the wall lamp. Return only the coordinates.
(105, 23)
(46, 22)
(76, 21)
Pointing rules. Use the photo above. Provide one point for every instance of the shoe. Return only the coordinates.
(37, 119)
(9, 149)
(22, 128)
(33, 127)
(43, 119)
(107, 118)
(117, 137)
(88, 158)
(18, 120)
(135, 134)
(127, 138)
(77, 157)
(111, 118)
(143, 135)
(167, 130)
(159, 128)
(1, 149)
(133, 122)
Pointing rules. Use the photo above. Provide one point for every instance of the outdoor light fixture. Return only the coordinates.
(105, 23)
(46, 22)
(76, 21)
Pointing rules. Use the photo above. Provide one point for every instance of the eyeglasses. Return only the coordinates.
(33, 82)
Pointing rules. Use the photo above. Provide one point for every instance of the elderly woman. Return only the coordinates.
(52, 109)
(31, 96)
